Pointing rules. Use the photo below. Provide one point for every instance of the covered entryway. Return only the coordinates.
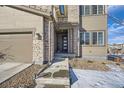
(16, 47)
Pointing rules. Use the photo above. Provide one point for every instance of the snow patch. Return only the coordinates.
(98, 79)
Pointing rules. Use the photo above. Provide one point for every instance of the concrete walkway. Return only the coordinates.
(57, 75)
(9, 69)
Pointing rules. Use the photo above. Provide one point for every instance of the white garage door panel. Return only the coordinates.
(16, 47)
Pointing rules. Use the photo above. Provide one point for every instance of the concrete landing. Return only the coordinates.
(9, 69)
(55, 75)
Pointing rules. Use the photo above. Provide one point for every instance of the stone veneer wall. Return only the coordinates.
(46, 40)
(37, 50)
(76, 41)
(73, 17)
(73, 40)
(70, 40)
(73, 13)
(52, 40)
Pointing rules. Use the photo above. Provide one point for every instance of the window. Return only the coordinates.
(97, 38)
(82, 38)
(94, 9)
(94, 38)
(85, 38)
(62, 10)
(100, 9)
(87, 10)
(100, 38)
(91, 9)
(81, 9)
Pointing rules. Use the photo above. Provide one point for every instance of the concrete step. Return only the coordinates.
(57, 81)
(64, 55)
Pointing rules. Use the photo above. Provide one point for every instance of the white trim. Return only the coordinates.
(78, 42)
(97, 10)
(84, 38)
(97, 38)
(84, 10)
(103, 38)
(90, 9)
(68, 31)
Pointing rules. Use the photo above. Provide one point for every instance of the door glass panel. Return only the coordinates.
(65, 43)
(65, 37)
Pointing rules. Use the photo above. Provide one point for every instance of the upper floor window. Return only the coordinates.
(87, 10)
(91, 9)
(94, 9)
(100, 9)
(62, 10)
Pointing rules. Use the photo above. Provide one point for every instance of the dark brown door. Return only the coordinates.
(64, 43)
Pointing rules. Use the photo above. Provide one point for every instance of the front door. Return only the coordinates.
(65, 43)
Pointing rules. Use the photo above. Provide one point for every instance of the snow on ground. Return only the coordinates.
(97, 79)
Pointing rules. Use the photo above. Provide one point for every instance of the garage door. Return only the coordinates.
(16, 47)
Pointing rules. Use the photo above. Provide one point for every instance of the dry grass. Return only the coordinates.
(23, 79)
(121, 65)
(89, 65)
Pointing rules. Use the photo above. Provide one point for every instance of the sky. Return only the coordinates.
(115, 30)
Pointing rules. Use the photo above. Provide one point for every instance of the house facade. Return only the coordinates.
(36, 33)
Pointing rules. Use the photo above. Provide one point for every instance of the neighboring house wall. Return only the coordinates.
(13, 19)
